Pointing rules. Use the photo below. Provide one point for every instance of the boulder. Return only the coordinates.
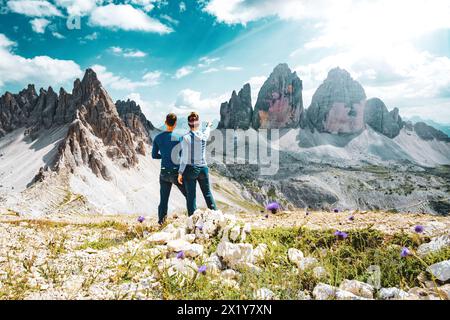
(393, 294)
(264, 294)
(174, 266)
(358, 288)
(295, 255)
(160, 237)
(235, 255)
(214, 264)
(177, 245)
(436, 244)
(259, 252)
(440, 270)
(444, 291)
(324, 291)
(320, 272)
(307, 263)
(229, 274)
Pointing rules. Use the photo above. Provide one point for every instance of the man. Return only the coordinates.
(166, 147)
(193, 166)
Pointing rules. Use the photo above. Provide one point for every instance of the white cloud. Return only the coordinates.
(127, 53)
(183, 72)
(110, 80)
(39, 25)
(182, 6)
(147, 5)
(206, 61)
(134, 54)
(126, 17)
(231, 68)
(400, 75)
(169, 19)
(41, 70)
(379, 23)
(154, 111)
(92, 36)
(189, 100)
(58, 35)
(211, 70)
(34, 8)
(78, 7)
(244, 11)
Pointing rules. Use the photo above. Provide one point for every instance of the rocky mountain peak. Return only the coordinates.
(280, 102)
(131, 113)
(237, 112)
(338, 104)
(377, 116)
(29, 92)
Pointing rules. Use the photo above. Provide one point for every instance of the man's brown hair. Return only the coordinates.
(192, 117)
(171, 119)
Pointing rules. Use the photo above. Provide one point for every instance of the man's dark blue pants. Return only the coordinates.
(167, 178)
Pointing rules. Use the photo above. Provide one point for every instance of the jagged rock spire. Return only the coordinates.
(280, 102)
(237, 112)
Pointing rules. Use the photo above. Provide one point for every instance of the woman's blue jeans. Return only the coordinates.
(191, 175)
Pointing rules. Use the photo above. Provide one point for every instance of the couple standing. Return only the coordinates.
(183, 170)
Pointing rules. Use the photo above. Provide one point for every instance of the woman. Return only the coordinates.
(193, 166)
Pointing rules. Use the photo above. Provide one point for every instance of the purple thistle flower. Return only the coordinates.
(419, 229)
(273, 206)
(180, 255)
(202, 269)
(141, 219)
(405, 252)
(341, 235)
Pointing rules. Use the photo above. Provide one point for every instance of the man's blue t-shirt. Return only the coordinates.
(163, 145)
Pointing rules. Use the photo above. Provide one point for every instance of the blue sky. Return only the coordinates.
(172, 55)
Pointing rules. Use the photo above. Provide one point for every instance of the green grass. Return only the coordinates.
(347, 259)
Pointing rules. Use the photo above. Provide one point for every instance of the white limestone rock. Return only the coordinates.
(392, 294)
(357, 288)
(295, 255)
(160, 237)
(324, 291)
(434, 245)
(174, 266)
(307, 263)
(320, 272)
(177, 245)
(259, 253)
(235, 255)
(213, 264)
(440, 270)
(230, 274)
(235, 232)
(193, 250)
(264, 294)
